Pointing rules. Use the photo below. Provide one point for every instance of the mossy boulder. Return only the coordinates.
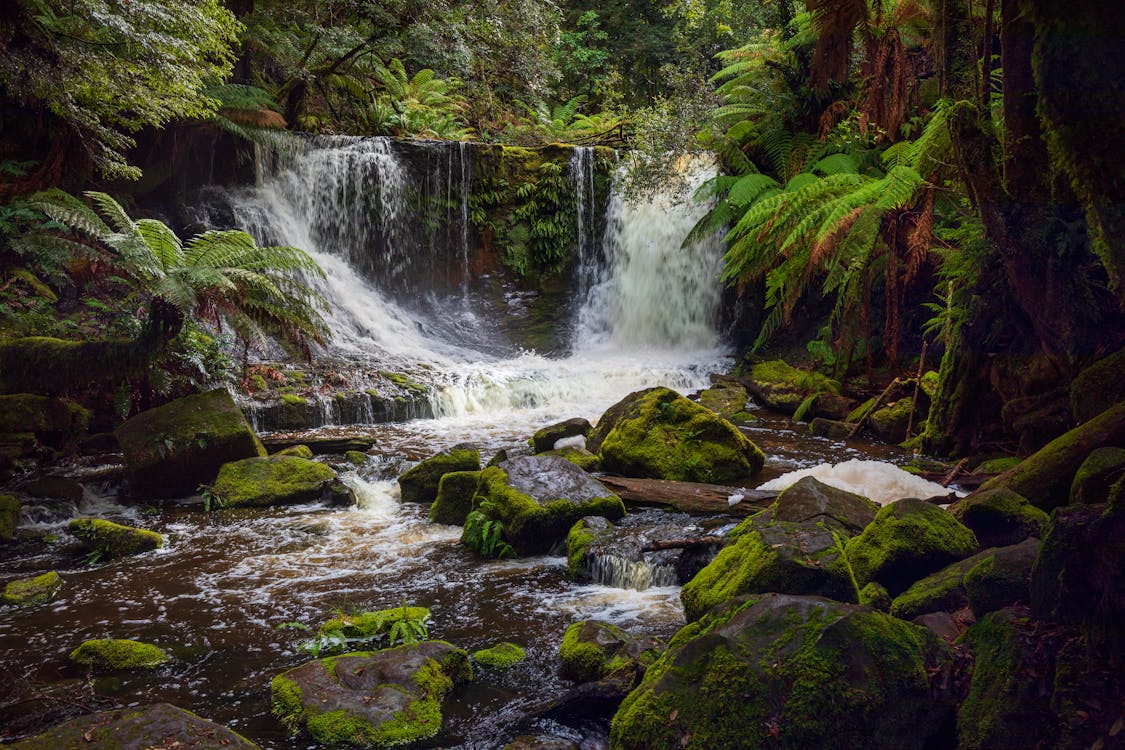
(538, 499)
(876, 596)
(173, 449)
(662, 435)
(908, 540)
(273, 480)
(501, 656)
(113, 654)
(1100, 471)
(57, 488)
(370, 699)
(371, 625)
(579, 539)
(782, 387)
(160, 725)
(889, 423)
(811, 501)
(356, 458)
(995, 466)
(420, 483)
(580, 457)
(987, 581)
(1000, 517)
(300, 451)
(728, 399)
(54, 421)
(112, 540)
(1098, 387)
(28, 591)
(794, 672)
(830, 428)
(592, 649)
(544, 440)
(772, 556)
(454, 498)
(9, 517)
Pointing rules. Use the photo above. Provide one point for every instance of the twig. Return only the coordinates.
(954, 471)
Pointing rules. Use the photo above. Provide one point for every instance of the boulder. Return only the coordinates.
(500, 656)
(300, 451)
(58, 488)
(987, 581)
(173, 449)
(1098, 387)
(769, 555)
(999, 517)
(779, 386)
(1100, 471)
(728, 399)
(832, 406)
(454, 498)
(1078, 577)
(54, 421)
(662, 435)
(876, 596)
(420, 483)
(830, 428)
(273, 480)
(538, 498)
(580, 457)
(160, 725)
(545, 439)
(112, 654)
(889, 423)
(356, 458)
(28, 591)
(592, 649)
(370, 699)
(809, 501)
(9, 517)
(794, 672)
(111, 540)
(907, 541)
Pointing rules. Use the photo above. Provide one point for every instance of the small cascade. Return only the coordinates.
(582, 177)
(466, 192)
(616, 571)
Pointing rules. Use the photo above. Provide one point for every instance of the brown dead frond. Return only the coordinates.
(836, 20)
(826, 245)
(254, 118)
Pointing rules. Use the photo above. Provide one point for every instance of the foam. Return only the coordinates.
(882, 482)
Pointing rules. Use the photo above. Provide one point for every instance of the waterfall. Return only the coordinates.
(616, 571)
(582, 176)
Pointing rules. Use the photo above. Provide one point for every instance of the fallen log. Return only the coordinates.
(688, 497)
(702, 541)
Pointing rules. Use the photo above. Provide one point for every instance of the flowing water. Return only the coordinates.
(220, 593)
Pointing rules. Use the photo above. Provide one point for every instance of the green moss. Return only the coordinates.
(372, 624)
(583, 657)
(275, 480)
(890, 422)
(581, 458)
(860, 411)
(114, 540)
(578, 541)
(997, 465)
(544, 439)
(287, 703)
(875, 596)
(454, 498)
(290, 399)
(661, 434)
(356, 458)
(940, 591)
(403, 381)
(300, 451)
(9, 517)
(780, 386)
(28, 591)
(1101, 469)
(500, 656)
(929, 384)
(1000, 517)
(728, 400)
(420, 483)
(117, 654)
(908, 540)
(1098, 387)
(53, 420)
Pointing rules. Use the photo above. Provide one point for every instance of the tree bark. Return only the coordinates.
(688, 497)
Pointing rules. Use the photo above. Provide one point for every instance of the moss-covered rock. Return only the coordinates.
(1098, 387)
(300, 451)
(537, 499)
(876, 596)
(999, 517)
(580, 457)
(54, 421)
(500, 656)
(773, 556)
(370, 699)
(907, 541)
(111, 540)
(581, 536)
(160, 725)
(544, 440)
(111, 654)
(728, 399)
(356, 458)
(9, 517)
(1045, 476)
(593, 649)
(995, 466)
(830, 428)
(889, 423)
(779, 386)
(420, 483)
(454, 498)
(27, 591)
(810, 501)
(997, 578)
(371, 625)
(780, 671)
(173, 449)
(1100, 471)
(274, 480)
(662, 435)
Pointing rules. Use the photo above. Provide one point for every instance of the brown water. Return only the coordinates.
(215, 596)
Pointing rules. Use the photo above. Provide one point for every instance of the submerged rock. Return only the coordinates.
(27, 591)
(160, 725)
(538, 499)
(173, 449)
(728, 399)
(111, 540)
(544, 440)
(454, 498)
(110, 654)
(420, 483)
(1000, 517)
(370, 699)
(592, 649)
(500, 656)
(793, 672)
(660, 434)
(274, 480)
(907, 541)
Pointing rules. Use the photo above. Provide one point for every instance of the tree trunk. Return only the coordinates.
(688, 497)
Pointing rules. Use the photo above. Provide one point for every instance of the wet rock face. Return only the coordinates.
(550, 478)
(157, 726)
(276, 480)
(1000, 517)
(810, 500)
(420, 483)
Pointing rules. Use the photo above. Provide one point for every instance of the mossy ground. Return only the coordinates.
(110, 539)
(28, 591)
(118, 654)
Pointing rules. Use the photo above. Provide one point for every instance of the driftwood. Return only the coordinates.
(688, 497)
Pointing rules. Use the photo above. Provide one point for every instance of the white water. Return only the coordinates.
(882, 482)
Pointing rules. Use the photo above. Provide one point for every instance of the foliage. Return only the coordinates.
(485, 535)
(404, 628)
